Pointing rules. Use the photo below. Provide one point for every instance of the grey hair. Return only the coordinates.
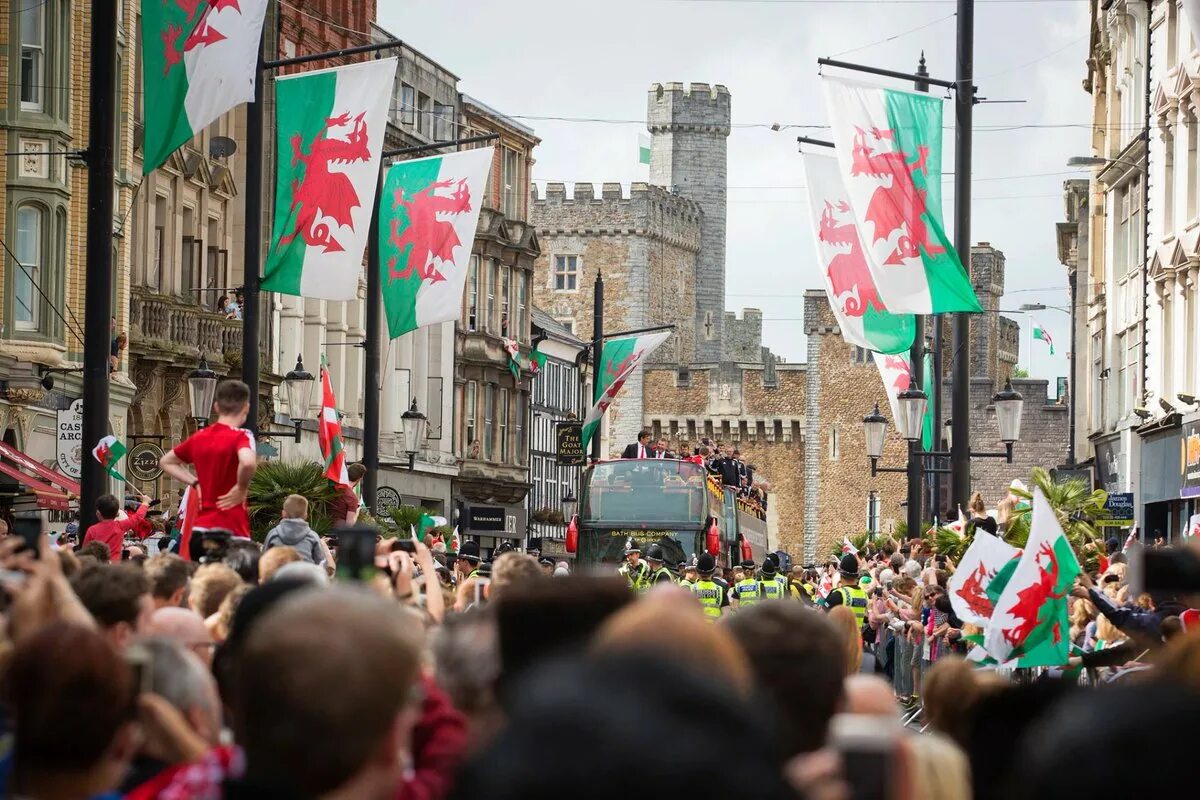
(303, 570)
(178, 676)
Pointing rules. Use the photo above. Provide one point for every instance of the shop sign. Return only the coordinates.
(386, 498)
(568, 440)
(1190, 460)
(70, 440)
(1118, 511)
(487, 518)
(143, 461)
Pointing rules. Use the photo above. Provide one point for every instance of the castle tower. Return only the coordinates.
(689, 126)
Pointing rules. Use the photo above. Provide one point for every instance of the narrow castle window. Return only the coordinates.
(566, 273)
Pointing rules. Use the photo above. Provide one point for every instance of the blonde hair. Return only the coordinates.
(274, 560)
(210, 585)
(977, 505)
(938, 768)
(295, 507)
(662, 626)
(1004, 510)
(847, 626)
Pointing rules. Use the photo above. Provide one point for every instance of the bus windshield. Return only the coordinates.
(641, 492)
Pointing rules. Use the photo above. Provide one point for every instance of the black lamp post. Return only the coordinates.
(569, 503)
(298, 386)
(202, 387)
(413, 423)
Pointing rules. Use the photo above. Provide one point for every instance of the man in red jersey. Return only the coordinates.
(224, 458)
(110, 530)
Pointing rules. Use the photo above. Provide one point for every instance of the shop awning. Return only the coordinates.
(45, 494)
(34, 467)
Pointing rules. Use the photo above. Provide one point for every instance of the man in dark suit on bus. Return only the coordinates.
(639, 449)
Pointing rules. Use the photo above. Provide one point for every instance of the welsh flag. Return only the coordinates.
(517, 362)
(189, 508)
(969, 583)
(330, 135)
(861, 315)
(619, 357)
(1030, 621)
(428, 523)
(200, 58)
(454, 542)
(109, 452)
(889, 148)
(848, 547)
(896, 373)
(329, 432)
(1043, 335)
(428, 214)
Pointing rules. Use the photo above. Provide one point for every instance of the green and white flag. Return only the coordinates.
(862, 316)
(889, 148)
(199, 58)
(330, 126)
(109, 452)
(643, 149)
(618, 359)
(427, 219)
(896, 372)
(428, 523)
(1030, 619)
(1041, 334)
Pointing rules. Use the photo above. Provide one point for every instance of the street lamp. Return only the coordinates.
(874, 431)
(569, 504)
(1100, 161)
(912, 403)
(413, 422)
(202, 387)
(948, 432)
(1009, 404)
(298, 386)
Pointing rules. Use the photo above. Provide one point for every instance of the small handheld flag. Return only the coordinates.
(109, 452)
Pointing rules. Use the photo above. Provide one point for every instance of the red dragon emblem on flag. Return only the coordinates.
(614, 370)
(973, 591)
(429, 235)
(323, 195)
(848, 272)
(1033, 598)
(902, 371)
(203, 34)
(899, 206)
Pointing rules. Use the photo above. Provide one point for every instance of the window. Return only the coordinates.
(1134, 375)
(493, 276)
(1129, 244)
(567, 323)
(566, 273)
(860, 355)
(522, 325)
(504, 426)
(188, 268)
(33, 53)
(443, 129)
(469, 412)
(835, 446)
(873, 504)
(473, 293)
(31, 221)
(489, 415)
(1124, 392)
(1191, 130)
(425, 108)
(520, 426)
(505, 294)
(137, 79)
(1098, 382)
(408, 104)
(433, 406)
(510, 175)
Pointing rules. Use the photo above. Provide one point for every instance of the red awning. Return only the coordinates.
(45, 494)
(36, 468)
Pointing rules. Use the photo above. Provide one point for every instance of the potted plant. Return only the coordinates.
(557, 518)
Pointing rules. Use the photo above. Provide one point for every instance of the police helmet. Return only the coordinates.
(706, 564)
(768, 568)
(849, 565)
(747, 564)
(655, 553)
(631, 546)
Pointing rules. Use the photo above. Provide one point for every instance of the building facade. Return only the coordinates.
(43, 277)
(560, 395)
(1143, 365)
(491, 404)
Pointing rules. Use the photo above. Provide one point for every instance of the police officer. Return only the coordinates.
(747, 591)
(687, 575)
(658, 572)
(772, 588)
(634, 570)
(779, 577)
(466, 564)
(849, 594)
(713, 597)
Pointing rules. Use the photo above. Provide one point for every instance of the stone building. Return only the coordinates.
(43, 277)
(492, 405)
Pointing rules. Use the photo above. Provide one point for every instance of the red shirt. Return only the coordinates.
(213, 452)
(341, 506)
(112, 532)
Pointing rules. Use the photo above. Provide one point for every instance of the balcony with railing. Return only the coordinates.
(168, 327)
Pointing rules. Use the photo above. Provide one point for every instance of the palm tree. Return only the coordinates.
(1077, 508)
(275, 480)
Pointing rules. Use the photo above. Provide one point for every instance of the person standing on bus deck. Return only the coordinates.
(634, 570)
(747, 591)
(849, 594)
(714, 598)
(658, 572)
(640, 448)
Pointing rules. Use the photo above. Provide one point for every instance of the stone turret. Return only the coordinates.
(689, 126)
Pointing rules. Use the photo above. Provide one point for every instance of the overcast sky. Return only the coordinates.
(569, 58)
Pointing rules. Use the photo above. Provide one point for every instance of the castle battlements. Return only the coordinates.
(696, 107)
(639, 207)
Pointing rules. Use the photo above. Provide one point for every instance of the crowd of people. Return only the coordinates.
(238, 670)
(723, 462)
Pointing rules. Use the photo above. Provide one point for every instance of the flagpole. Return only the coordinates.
(98, 302)
(916, 464)
(597, 350)
(964, 110)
